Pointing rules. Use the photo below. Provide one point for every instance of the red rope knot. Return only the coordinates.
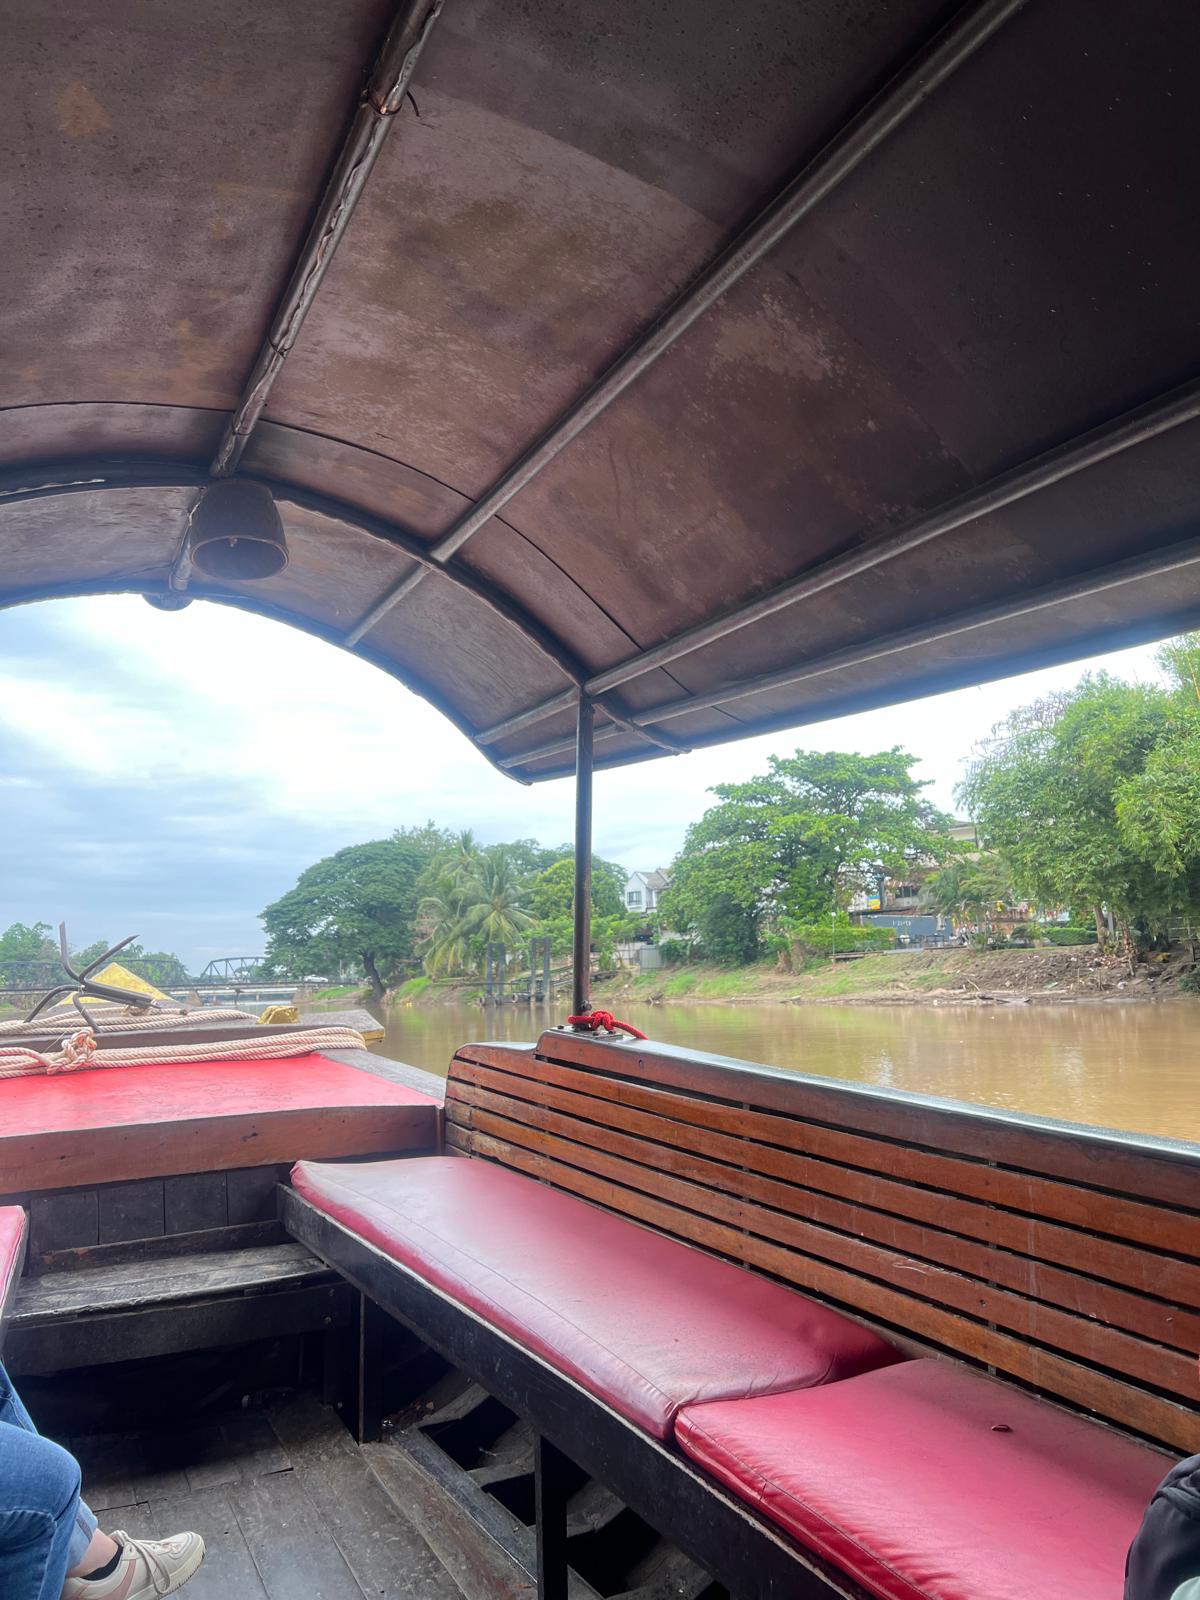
(593, 1021)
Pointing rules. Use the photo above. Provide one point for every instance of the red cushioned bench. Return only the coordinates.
(12, 1256)
(570, 1267)
(642, 1322)
(929, 1482)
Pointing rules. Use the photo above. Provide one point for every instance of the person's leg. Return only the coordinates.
(50, 1545)
(89, 1548)
(39, 1497)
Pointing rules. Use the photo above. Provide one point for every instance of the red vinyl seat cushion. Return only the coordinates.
(12, 1249)
(926, 1481)
(645, 1323)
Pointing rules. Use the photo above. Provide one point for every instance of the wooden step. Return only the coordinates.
(135, 1309)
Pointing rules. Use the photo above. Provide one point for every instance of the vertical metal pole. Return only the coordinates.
(581, 959)
(550, 1468)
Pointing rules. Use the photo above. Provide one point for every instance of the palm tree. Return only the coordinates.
(476, 898)
(971, 889)
(494, 912)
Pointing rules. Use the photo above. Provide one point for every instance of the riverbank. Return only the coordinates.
(984, 977)
(960, 976)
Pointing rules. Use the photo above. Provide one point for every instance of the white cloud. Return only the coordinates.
(201, 759)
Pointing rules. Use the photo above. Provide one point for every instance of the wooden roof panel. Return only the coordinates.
(510, 465)
(161, 162)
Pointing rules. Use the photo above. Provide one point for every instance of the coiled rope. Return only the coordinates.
(593, 1021)
(81, 1052)
(123, 1019)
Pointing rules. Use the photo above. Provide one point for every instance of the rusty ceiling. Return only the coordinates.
(740, 364)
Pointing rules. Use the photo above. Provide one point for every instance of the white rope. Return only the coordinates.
(119, 1021)
(81, 1053)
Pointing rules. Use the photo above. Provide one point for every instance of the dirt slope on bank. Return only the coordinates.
(921, 976)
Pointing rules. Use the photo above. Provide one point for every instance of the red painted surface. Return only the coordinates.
(124, 1123)
(644, 1322)
(925, 1481)
(12, 1250)
(124, 1096)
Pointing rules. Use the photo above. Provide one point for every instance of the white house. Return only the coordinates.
(643, 889)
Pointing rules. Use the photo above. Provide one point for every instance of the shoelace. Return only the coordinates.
(160, 1573)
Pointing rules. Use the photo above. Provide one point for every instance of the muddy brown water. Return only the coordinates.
(1134, 1066)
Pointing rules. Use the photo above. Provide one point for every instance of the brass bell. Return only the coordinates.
(235, 532)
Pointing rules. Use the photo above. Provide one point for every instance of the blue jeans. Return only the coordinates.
(45, 1528)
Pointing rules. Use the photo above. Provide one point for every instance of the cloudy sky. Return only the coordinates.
(170, 775)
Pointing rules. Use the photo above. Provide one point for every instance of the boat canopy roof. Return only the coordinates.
(739, 363)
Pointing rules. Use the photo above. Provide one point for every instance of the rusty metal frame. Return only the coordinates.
(907, 91)
(90, 474)
(378, 108)
(1118, 575)
(1171, 410)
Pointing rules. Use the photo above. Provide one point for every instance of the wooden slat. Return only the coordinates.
(1094, 1391)
(1137, 1164)
(1060, 1269)
(1133, 1267)
(1155, 1319)
(1160, 1227)
(1076, 1336)
(99, 1155)
(131, 1285)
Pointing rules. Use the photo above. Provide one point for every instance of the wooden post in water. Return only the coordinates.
(581, 957)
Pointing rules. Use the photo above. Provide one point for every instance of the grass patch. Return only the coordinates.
(412, 987)
(337, 992)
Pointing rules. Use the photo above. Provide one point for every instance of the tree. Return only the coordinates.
(20, 946)
(972, 889)
(728, 931)
(357, 908)
(552, 891)
(493, 910)
(799, 841)
(163, 968)
(472, 898)
(1090, 804)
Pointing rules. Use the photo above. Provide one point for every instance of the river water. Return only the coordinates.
(1134, 1066)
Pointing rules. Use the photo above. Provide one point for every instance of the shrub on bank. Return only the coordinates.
(826, 938)
(1069, 934)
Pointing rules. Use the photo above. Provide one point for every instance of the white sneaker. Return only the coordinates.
(146, 1568)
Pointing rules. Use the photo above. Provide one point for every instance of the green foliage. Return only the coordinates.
(19, 942)
(160, 967)
(828, 935)
(1066, 935)
(29, 958)
(434, 896)
(355, 910)
(472, 898)
(552, 890)
(1093, 799)
(973, 890)
(412, 987)
(20, 945)
(728, 931)
(510, 894)
(798, 840)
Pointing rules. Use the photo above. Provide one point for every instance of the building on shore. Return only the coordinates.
(643, 890)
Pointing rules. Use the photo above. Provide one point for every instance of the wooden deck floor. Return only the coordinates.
(290, 1509)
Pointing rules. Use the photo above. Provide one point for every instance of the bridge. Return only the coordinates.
(226, 980)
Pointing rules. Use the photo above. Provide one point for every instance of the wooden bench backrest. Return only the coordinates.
(1063, 1257)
